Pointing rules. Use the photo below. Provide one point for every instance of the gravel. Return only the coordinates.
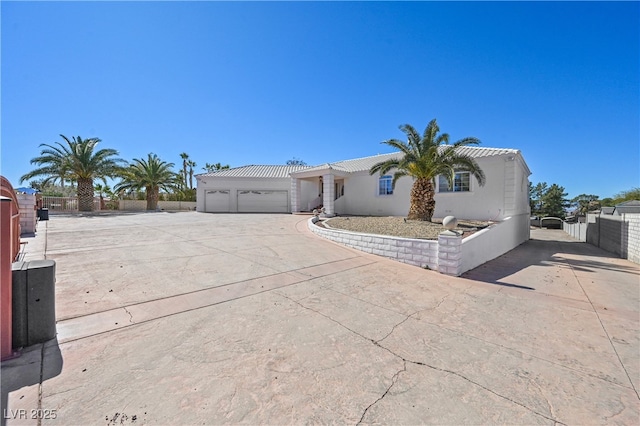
(399, 227)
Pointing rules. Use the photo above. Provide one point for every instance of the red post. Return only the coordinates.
(9, 249)
(6, 239)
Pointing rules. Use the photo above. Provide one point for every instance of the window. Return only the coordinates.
(385, 186)
(460, 183)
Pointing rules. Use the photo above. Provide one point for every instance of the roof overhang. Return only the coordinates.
(318, 171)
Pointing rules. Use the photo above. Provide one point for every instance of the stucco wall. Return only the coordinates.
(309, 191)
(361, 197)
(491, 202)
(494, 241)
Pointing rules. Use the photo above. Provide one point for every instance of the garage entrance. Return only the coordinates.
(254, 201)
(217, 201)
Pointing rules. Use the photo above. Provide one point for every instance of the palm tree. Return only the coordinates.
(191, 165)
(210, 168)
(185, 160)
(76, 160)
(424, 158)
(151, 175)
(101, 190)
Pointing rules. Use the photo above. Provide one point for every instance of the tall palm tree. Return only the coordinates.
(191, 165)
(76, 160)
(210, 168)
(424, 158)
(185, 163)
(151, 175)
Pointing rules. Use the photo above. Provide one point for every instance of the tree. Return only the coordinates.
(151, 175)
(535, 197)
(185, 160)
(101, 190)
(607, 202)
(628, 195)
(211, 168)
(296, 162)
(585, 203)
(554, 202)
(191, 165)
(76, 160)
(424, 158)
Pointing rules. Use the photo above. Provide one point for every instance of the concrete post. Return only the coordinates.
(450, 253)
(27, 203)
(329, 195)
(295, 195)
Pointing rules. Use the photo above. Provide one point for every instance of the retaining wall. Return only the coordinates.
(450, 254)
(422, 253)
(494, 241)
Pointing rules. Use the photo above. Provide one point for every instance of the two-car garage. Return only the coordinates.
(248, 189)
(246, 201)
(263, 201)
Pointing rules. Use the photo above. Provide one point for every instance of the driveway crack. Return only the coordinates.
(405, 360)
(130, 316)
(444, 370)
(394, 380)
(397, 325)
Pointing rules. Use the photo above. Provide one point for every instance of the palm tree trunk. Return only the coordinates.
(152, 197)
(184, 172)
(85, 195)
(422, 200)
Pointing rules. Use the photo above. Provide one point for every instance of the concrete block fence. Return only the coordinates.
(616, 234)
(28, 221)
(632, 237)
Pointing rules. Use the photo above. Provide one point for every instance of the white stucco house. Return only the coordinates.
(345, 187)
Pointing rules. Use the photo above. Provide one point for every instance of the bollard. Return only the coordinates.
(34, 314)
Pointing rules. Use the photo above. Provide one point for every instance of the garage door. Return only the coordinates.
(263, 201)
(217, 201)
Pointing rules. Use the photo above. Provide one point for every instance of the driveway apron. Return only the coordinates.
(192, 318)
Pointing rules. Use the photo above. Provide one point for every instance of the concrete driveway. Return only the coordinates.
(191, 318)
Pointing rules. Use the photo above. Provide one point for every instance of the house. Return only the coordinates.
(628, 207)
(346, 187)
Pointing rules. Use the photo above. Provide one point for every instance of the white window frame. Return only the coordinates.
(385, 183)
(443, 184)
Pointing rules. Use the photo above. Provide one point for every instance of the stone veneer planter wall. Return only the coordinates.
(441, 255)
(450, 254)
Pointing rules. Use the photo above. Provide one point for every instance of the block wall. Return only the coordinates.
(422, 253)
(633, 237)
(28, 213)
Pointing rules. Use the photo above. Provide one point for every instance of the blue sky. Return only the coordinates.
(262, 83)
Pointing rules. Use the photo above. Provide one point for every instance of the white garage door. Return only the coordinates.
(217, 201)
(263, 201)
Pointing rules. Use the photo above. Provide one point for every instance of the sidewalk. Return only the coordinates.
(194, 318)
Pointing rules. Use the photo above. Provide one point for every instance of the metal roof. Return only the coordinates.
(256, 171)
(346, 166)
(365, 163)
